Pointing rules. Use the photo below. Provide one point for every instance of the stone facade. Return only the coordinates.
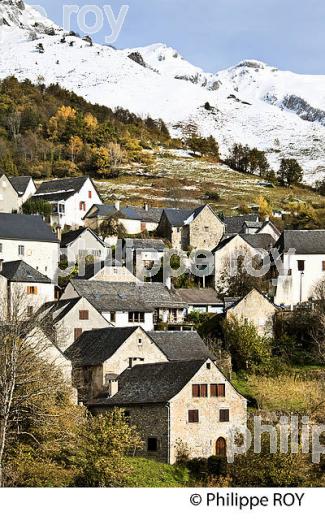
(138, 348)
(256, 309)
(168, 424)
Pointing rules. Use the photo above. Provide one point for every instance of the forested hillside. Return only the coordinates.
(52, 132)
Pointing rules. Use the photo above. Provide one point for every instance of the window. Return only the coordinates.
(139, 341)
(113, 317)
(206, 228)
(32, 290)
(77, 333)
(218, 390)
(301, 265)
(136, 317)
(84, 315)
(224, 415)
(90, 195)
(21, 250)
(199, 390)
(30, 311)
(323, 263)
(0, 248)
(152, 444)
(82, 206)
(221, 447)
(193, 416)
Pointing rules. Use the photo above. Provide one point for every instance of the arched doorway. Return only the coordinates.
(221, 447)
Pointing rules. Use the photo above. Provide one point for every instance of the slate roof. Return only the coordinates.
(234, 224)
(91, 269)
(305, 242)
(237, 301)
(94, 347)
(57, 309)
(126, 296)
(198, 296)
(71, 236)
(25, 227)
(20, 184)
(152, 383)
(180, 345)
(260, 240)
(253, 225)
(73, 184)
(127, 213)
(178, 217)
(145, 244)
(19, 271)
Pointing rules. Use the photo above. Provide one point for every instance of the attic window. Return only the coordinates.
(90, 195)
(323, 263)
(218, 390)
(139, 341)
(83, 315)
(208, 366)
(199, 390)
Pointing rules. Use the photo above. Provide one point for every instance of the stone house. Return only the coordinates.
(126, 304)
(82, 243)
(21, 285)
(254, 308)
(145, 253)
(135, 219)
(231, 249)
(188, 402)
(29, 238)
(100, 356)
(68, 319)
(70, 200)
(302, 253)
(14, 191)
(185, 229)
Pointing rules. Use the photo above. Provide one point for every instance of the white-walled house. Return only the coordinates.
(14, 191)
(29, 238)
(70, 200)
(109, 271)
(247, 246)
(69, 318)
(302, 253)
(129, 304)
(82, 243)
(23, 289)
(135, 219)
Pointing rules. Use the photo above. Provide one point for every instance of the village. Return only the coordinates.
(125, 336)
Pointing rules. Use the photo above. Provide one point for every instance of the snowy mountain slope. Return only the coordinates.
(280, 112)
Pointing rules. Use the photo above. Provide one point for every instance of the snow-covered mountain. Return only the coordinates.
(252, 103)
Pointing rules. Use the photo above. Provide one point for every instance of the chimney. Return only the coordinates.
(267, 219)
(59, 233)
(168, 282)
(112, 387)
(146, 206)
(118, 205)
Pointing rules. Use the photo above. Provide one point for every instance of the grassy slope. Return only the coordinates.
(175, 181)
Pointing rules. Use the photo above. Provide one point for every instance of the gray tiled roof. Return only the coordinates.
(56, 310)
(145, 244)
(25, 227)
(96, 346)
(309, 242)
(128, 212)
(180, 345)
(152, 383)
(234, 224)
(198, 296)
(19, 271)
(20, 184)
(73, 184)
(125, 296)
(178, 217)
(259, 241)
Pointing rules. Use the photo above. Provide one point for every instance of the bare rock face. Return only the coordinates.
(137, 57)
